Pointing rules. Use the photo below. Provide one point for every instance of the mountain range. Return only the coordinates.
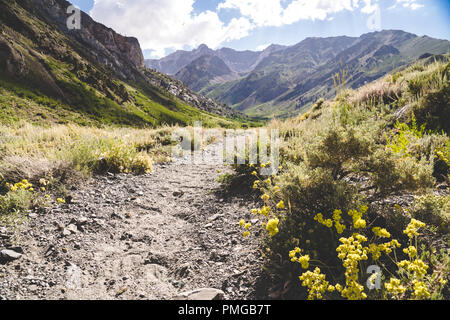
(92, 75)
(285, 81)
(238, 61)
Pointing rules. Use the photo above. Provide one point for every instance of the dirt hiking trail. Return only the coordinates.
(163, 235)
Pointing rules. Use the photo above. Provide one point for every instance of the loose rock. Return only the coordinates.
(201, 294)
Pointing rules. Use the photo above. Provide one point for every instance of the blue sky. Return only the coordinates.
(163, 26)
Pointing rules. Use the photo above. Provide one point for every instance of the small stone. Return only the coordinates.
(206, 294)
(4, 236)
(121, 291)
(178, 194)
(33, 287)
(81, 221)
(72, 228)
(64, 250)
(9, 255)
(16, 249)
(215, 217)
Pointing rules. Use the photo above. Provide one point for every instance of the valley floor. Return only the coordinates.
(136, 237)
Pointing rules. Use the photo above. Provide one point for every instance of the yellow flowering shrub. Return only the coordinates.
(345, 157)
(361, 243)
(355, 250)
(17, 200)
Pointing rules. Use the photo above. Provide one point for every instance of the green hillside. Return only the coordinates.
(50, 75)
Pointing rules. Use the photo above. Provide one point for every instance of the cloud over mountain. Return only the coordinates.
(162, 25)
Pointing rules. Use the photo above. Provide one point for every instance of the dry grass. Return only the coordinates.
(33, 152)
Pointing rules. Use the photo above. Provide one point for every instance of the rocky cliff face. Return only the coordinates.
(109, 47)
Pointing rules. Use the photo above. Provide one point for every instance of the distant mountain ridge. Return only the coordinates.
(288, 80)
(206, 70)
(237, 61)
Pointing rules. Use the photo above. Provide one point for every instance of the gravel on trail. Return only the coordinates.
(165, 235)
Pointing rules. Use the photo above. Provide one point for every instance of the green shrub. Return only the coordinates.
(344, 157)
(433, 210)
(318, 105)
(108, 155)
(433, 110)
(16, 201)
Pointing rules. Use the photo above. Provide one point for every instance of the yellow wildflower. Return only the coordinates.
(394, 287)
(316, 284)
(412, 228)
(382, 233)
(411, 251)
(272, 226)
(281, 205)
(265, 210)
(304, 261)
(420, 290)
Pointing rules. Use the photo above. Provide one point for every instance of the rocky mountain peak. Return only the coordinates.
(109, 47)
(203, 47)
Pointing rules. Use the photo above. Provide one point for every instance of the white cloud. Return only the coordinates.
(168, 24)
(273, 13)
(263, 47)
(411, 4)
(172, 24)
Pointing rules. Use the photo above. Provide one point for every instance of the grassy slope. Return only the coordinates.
(62, 84)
